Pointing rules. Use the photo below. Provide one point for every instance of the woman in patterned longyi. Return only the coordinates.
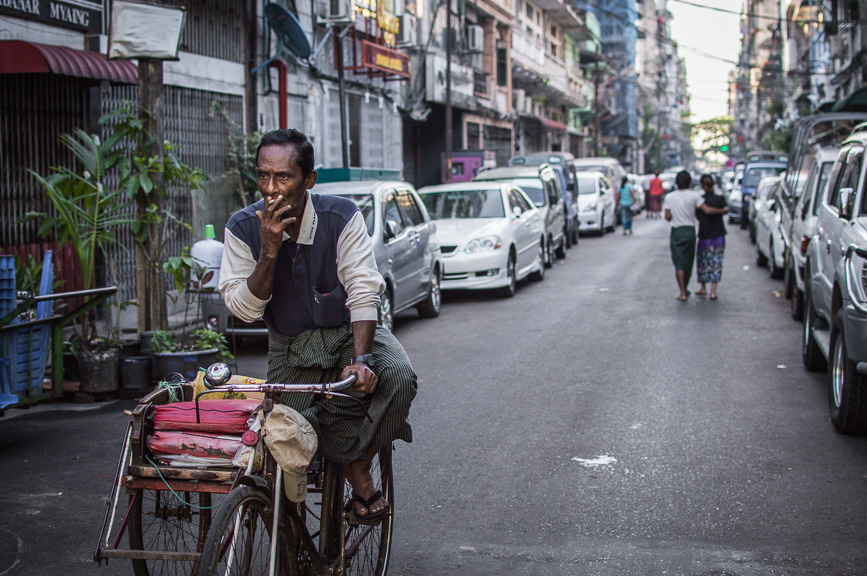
(711, 240)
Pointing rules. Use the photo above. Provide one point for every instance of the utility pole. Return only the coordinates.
(449, 135)
(596, 79)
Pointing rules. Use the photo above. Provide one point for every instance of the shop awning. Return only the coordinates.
(19, 57)
(553, 124)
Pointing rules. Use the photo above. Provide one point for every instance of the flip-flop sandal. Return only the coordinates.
(713, 297)
(370, 516)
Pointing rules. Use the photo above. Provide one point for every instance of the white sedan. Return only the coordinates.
(770, 244)
(490, 233)
(596, 209)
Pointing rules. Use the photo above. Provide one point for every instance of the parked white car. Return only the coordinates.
(804, 226)
(770, 245)
(596, 209)
(491, 235)
(763, 190)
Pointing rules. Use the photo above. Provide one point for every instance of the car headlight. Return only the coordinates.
(589, 207)
(856, 270)
(483, 244)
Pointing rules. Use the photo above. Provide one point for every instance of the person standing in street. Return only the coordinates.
(680, 208)
(627, 197)
(655, 193)
(711, 240)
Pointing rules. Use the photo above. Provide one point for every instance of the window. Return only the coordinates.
(553, 191)
(410, 209)
(502, 65)
(822, 186)
(523, 201)
(392, 213)
(514, 202)
(849, 177)
(464, 204)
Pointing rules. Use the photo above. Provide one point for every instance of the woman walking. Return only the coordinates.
(627, 197)
(711, 240)
(655, 194)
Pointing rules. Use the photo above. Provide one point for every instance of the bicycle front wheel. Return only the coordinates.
(367, 546)
(161, 522)
(239, 542)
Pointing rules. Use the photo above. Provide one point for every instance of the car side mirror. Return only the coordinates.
(772, 205)
(847, 202)
(516, 211)
(390, 229)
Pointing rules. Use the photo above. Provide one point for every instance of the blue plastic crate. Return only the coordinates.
(28, 355)
(7, 285)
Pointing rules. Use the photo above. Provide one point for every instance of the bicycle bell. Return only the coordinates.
(217, 374)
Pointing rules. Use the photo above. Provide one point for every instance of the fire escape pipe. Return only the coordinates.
(282, 88)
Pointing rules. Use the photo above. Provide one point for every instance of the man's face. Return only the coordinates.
(278, 174)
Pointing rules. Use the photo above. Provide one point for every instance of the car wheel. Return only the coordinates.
(761, 259)
(775, 271)
(567, 237)
(549, 252)
(575, 235)
(539, 274)
(788, 276)
(848, 388)
(752, 233)
(561, 249)
(430, 308)
(602, 227)
(797, 305)
(386, 310)
(811, 355)
(509, 289)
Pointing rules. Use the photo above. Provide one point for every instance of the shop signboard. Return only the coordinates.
(75, 14)
(462, 87)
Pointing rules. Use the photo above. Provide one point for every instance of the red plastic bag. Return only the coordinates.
(194, 444)
(219, 416)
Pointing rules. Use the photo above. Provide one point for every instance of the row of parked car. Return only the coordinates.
(508, 224)
(809, 225)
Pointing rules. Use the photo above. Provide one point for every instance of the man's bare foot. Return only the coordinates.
(363, 488)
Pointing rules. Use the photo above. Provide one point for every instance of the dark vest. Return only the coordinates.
(306, 292)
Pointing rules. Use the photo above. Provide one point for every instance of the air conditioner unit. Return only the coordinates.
(475, 38)
(335, 11)
(407, 34)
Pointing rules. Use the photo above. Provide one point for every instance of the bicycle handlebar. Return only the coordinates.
(217, 378)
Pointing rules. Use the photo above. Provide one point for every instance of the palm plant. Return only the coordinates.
(86, 211)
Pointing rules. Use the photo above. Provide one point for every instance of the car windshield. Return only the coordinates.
(365, 205)
(755, 175)
(591, 169)
(533, 188)
(586, 186)
(464, 204)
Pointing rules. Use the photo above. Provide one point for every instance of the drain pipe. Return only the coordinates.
(282, 88)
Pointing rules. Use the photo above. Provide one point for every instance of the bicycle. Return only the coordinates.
(258, 531)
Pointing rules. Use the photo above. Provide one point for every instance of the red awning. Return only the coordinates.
(19, 57)
(553, 124)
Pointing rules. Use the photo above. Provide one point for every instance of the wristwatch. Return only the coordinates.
(364, 359)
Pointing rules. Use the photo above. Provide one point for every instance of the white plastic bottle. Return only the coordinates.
(209, 253)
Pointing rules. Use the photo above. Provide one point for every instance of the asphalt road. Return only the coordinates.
(591, 425)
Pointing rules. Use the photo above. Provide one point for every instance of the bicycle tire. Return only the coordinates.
(371, 543)
(227, 552)
(160, 522)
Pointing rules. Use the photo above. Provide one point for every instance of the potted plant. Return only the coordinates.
(184, 351)
(86, 214)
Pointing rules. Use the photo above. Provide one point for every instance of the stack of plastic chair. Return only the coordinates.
(27, 349)
(7, 304)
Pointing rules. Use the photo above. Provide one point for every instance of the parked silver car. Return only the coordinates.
(542, 184)
(835, 296)
(803, 226)
(404, 243)
(770, 244)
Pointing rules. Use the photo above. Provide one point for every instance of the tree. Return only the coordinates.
(714, 133)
